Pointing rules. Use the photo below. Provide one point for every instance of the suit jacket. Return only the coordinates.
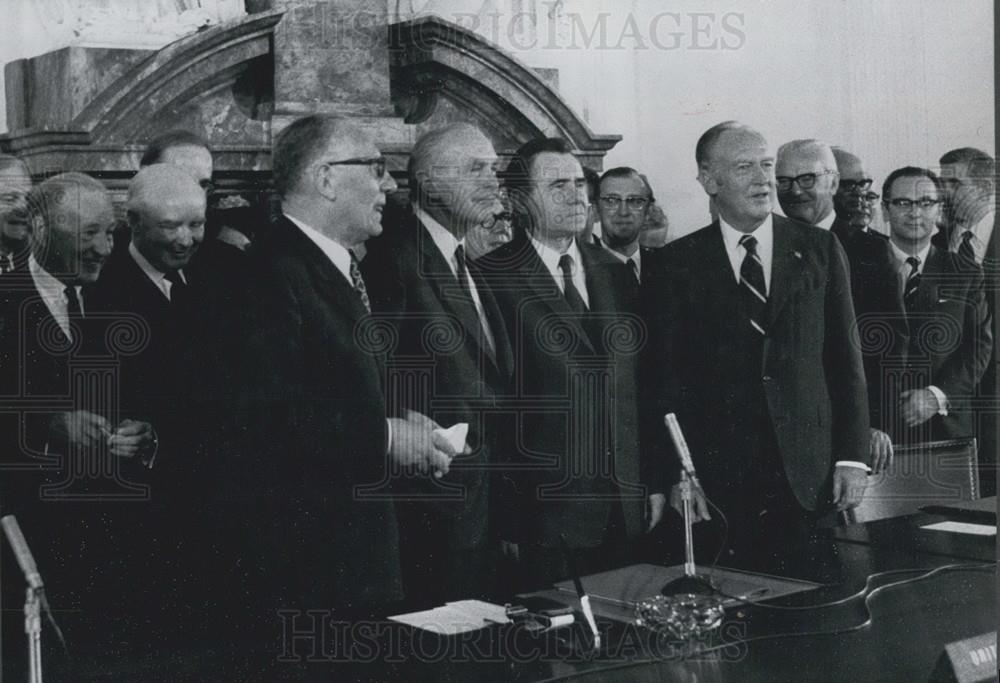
(878, 306)
(950, 341)
(313, 469)
(83, 511)
(575, 451)
(440, 350)
(809, 379)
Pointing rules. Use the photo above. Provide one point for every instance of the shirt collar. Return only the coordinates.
(827, 222)
(764, 233)
(901, 255)
(338, 254)
(444, 239)
(51, 288)
(155, 275)
(550, 257)
(636, 256)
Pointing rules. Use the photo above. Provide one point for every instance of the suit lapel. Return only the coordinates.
(786, 270)
(719, 289)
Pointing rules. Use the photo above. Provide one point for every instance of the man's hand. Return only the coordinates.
(917, 406)
(133, 438)
(80, 428)
(848, 487)
(655, 230)
(699, 508)
(880, 448)
(654, 509)
(415, 445)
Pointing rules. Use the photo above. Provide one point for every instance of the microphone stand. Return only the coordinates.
(33, 628)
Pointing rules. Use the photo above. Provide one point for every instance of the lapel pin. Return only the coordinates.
(798, 254)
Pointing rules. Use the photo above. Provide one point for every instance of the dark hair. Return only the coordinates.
(172, 138)
(909, 172)
(706, 143)
(518, 172)
(593, 183)
(980, 164)
(628, 172)
(298, 145)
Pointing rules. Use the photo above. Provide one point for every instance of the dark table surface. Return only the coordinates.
(903, 593)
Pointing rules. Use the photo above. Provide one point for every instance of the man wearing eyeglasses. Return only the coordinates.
(15, 181)
(944, 299)
(806, 177)
(752, 345)
(424, 283)
(624, 201)
(874, 289)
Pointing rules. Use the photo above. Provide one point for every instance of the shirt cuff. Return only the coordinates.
(388, 436)
(941, 399)
(853, 463)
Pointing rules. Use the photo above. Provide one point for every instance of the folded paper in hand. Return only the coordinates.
(455, 617)
(455, 435)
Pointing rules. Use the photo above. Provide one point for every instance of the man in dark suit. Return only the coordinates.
(574, 467)
(421, 281)
(806, 176)
(753, 346)
(15, 181)
(312, 477)
(943, 294)
(72, 456)
(969, 182)
(624, 202)
(875, 291)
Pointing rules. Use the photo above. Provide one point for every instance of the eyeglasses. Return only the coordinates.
(907, 204)
(862, 185)
(499, 221)
(612, 202)
(871, 196)
(806, 181)
(377, 164)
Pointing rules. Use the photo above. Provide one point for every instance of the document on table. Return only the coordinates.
(963, 528)
(456, 617)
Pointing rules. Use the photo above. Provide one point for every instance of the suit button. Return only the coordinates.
(766, 378)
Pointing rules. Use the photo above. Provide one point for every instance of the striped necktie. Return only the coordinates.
(912, 282)
(358, 283)
(752, 288)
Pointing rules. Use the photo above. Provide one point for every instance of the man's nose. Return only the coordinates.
(387, 184)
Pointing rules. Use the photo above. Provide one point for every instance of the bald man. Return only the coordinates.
(875, 290)
(806, 178)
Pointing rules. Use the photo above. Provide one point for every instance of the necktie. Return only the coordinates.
(912, 282)
(633, 268)
(178, 288)
(570, 291)
(752, 287)
(359, 284)
(6, 264)
(74, 311)
(965, 248)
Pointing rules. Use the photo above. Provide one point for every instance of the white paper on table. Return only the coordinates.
(455, 617)
(455, 435)
(963, 528)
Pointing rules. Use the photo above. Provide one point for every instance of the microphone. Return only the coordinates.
(21, 551)
(680, 443)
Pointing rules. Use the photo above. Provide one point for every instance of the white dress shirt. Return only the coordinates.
(53, 293)
(155, 276)
(764, 233)
(827, 222)
(550, 257)
(446, 243)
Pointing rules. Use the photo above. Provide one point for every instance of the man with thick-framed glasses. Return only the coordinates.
(624, 201)
(874, 289)
(806, 178)
(941, 294)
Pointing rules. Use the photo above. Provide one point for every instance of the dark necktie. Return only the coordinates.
(633, 268)
(178, 288)
(912, 283)
(74, 312)
(570, 291)
(752, 288)
(359, 284)
(965, 248)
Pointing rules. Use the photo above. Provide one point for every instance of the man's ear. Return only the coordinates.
(885, 214)
(323, 182)
(707, 181)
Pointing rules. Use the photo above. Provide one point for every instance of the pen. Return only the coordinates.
(588, 614)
